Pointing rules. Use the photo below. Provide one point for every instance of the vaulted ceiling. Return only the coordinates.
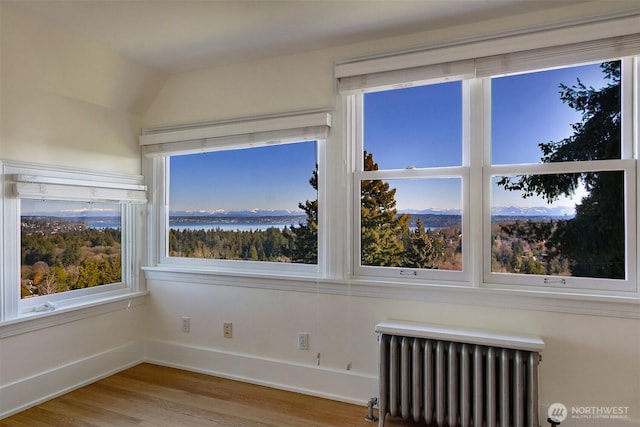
(179, 35)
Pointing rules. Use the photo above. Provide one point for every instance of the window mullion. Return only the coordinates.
(472, 212)
(11, 259)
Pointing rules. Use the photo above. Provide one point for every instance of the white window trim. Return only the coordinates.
(399, 70)
(626, 165)
(461, 172)
(159, 144)
(58, 183)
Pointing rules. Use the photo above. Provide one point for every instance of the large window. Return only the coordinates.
(243, 196)
(252, 204)
(517, 171)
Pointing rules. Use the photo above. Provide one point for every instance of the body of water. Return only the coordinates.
(230, 226)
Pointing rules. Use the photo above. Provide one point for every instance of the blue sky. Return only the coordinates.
(419, 126)
(244, 179)
(422, 126)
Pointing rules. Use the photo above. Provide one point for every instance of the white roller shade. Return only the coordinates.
(557, 56)
(47, 188)
(238, 133)
(403, 77)
(605, 39)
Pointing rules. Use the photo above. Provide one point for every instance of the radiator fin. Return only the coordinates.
(450, 384)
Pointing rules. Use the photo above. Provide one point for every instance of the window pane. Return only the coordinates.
(257, 204)
(415, 127)
(412, 223)
(538, 117)
(69, 245)
(581, 236)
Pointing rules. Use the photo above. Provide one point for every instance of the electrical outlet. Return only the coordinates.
(228, 330)
(186, 324)
(303, 341)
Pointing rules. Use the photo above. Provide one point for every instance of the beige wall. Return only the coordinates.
(69, 102)
(305, 81)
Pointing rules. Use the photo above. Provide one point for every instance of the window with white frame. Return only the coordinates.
(544, 182)
(68, 237)
(248, 199)
(410, 180)
(562, 177)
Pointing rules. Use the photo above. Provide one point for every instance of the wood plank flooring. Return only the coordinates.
(151, 395)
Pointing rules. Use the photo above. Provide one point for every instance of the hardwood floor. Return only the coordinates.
(151, 395)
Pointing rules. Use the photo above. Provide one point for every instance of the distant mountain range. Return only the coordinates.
(220, 213)
(557, 211)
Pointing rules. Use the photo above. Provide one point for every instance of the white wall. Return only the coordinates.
(68, 102)
(588, 361)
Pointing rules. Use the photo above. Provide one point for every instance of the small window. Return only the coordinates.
(71, 238)
(69, 245)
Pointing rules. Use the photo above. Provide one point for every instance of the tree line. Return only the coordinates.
(67, 257)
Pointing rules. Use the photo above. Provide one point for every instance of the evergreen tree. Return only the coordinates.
(420, 251)
(305, 236)
(381, 226)
(594, 240)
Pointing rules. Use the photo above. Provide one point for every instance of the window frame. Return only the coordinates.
(160, 145)
(626, 164)
(58, 183)
(478, 191)
(356, 104)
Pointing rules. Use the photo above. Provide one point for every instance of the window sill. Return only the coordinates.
(623, 306)
(71, 310)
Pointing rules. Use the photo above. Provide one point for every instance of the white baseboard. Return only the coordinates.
(341, 385)
(27, 392)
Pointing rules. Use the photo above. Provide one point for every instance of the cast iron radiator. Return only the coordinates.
(445, 377)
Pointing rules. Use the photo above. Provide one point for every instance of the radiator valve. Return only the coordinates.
(553, 422)
(370, 404)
